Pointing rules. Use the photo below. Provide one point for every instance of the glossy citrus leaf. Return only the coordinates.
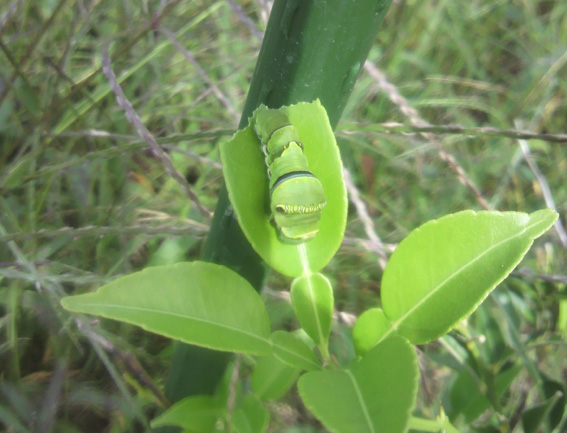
(198, 303)
(272, 378)
(444, 269)
(370, 328)
(247, 184)
(312, 301)
(441, 424)
(250, 416)
(196, 414)
(376, 394)
(293, 351)
(467, 399)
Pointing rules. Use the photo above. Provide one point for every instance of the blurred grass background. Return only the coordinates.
(83, 200)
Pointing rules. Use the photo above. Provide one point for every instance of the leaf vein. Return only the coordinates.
(361, 400)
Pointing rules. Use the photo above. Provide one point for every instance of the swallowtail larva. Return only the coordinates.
(296, 195)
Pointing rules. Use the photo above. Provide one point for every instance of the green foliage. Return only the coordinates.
(375, 394)
(312, 300)
(197, 414)
(435, 284)
(188, 302)
(468, 401)
(293, 351)
(369, 329)
(272, 378)
(200, 414)
(441, 272)
(250, 416)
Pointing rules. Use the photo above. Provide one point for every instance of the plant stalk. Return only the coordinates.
(311, 49)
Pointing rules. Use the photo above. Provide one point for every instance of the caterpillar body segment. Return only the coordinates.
(296, 195)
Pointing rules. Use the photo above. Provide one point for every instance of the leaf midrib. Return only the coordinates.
(361, 400)
(169, 313)
(315, 311)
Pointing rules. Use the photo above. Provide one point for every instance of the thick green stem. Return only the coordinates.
(312, 49)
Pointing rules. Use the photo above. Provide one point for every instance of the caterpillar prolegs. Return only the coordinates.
(296, 195)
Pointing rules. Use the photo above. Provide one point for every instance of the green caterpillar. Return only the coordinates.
(296, 195)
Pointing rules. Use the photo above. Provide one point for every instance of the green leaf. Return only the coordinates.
(534, 418)
(550, 389)
(376, 394)
(443, 270)
(467, 399)
(197, 303)
(197, 414)
(370, 328)
(293, 351)
(272, 378)
(312, 301)
(250, 416)
(546, 415)
(247, 184)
